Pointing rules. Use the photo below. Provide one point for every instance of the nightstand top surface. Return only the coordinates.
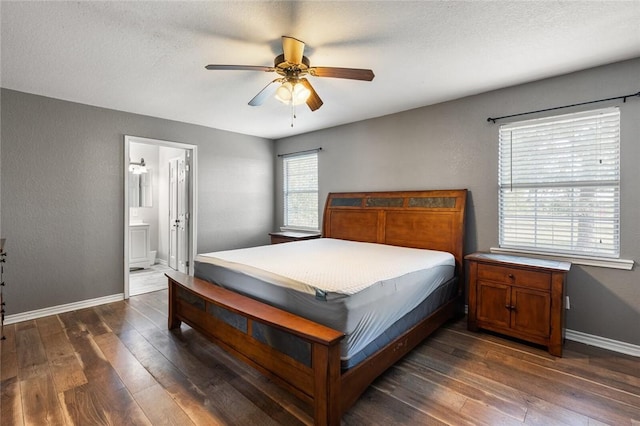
(519, 260)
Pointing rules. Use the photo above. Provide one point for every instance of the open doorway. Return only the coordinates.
(159, 206)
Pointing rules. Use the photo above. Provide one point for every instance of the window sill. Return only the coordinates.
(300, 229)
(601, 262)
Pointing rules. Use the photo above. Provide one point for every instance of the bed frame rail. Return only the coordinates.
(242, 326)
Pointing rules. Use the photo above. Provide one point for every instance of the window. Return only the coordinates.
(301, 191)
(559, 182)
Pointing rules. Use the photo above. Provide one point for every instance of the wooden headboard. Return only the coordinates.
(420, 219)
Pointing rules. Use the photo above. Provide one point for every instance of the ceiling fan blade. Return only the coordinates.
(350, 73)
(265, 93)
(293, 49)
(240, 67)
(313, 101)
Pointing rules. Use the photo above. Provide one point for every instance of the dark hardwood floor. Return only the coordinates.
(118, 364)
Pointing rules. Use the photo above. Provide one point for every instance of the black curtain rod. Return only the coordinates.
(624, 99)
(300, 152)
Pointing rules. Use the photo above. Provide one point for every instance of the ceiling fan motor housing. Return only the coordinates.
(288, 69)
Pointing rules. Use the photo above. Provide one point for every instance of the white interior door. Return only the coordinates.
(179, 215)
(173, 213)
(183, 217)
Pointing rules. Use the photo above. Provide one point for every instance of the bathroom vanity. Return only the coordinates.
(140, 255)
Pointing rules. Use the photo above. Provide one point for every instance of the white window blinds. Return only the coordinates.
(559, 181)
(301, 191)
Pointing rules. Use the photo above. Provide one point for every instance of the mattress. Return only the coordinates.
(361, 289)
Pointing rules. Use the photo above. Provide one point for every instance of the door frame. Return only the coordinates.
(193, 199)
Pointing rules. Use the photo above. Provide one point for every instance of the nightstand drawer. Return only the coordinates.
(514, 276)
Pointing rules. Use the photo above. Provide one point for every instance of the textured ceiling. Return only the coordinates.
(149, 57)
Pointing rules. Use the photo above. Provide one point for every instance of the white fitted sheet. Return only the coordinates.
(327, 264)
(358, 288)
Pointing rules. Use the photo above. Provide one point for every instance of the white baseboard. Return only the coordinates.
(162, 262)
(68, 307)
(603, 342)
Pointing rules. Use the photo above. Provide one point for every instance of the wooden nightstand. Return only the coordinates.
(288, 236)
(518, 296)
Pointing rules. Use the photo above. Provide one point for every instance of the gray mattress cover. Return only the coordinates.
(436, 299)
(362, 316)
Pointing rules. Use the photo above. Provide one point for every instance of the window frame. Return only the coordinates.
(536, 183)
(286, 192)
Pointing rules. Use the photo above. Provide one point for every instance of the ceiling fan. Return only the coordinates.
(292, 87)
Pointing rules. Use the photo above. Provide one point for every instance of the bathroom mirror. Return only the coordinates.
(140, 189)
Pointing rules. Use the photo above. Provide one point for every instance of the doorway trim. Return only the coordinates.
(193, 199)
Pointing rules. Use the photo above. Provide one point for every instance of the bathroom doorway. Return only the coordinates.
(159, 212)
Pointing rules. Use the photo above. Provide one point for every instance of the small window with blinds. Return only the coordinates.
(301, 191)
(559, 182)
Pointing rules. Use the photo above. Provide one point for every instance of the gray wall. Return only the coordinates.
(451, 145)
(62, 193)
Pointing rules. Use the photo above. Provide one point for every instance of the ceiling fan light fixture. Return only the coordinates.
(295, 93)
(300, 94)
(283, 94)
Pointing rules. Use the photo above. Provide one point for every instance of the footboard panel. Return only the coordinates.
(247, 329)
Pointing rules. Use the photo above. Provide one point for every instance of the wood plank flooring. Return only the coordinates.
(118, 364)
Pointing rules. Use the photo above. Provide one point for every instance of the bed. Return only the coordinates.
(274, 319)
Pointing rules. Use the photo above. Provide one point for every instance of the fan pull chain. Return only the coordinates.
(293, 113)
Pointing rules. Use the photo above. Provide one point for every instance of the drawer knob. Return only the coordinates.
(511, 276)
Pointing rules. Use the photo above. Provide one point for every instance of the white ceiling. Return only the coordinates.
(149, 57)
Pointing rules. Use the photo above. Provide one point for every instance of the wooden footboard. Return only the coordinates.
(242, 326)
(234, 321)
